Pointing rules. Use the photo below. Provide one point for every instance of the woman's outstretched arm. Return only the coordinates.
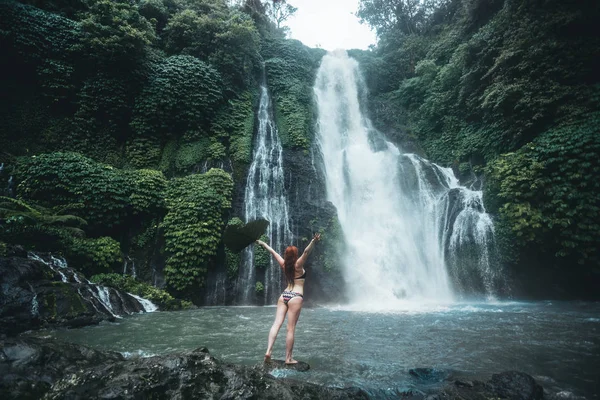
(273, 252)
(308, 250)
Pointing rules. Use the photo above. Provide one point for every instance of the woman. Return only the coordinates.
(290, 301)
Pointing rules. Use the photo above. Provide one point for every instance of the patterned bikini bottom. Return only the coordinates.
(288, 295)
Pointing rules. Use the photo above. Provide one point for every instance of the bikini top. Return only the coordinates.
(303, 276)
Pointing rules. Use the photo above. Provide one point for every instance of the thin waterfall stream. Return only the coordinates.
(265, 197)
(408, 223)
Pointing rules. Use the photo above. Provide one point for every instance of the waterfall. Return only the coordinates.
(405, 219)
(265, 197)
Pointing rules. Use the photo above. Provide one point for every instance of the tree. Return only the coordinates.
(280, 11)
(404, 16)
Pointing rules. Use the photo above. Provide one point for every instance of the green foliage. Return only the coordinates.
(11, 209)
(94, 255)
(182, 95)
(147, 189)
(114, 31)
(67, 178)
(547, 192)
(156, 12)
(109, 196)
(193, 225)
(38, 227)
(470, 94)
(291, 69)
(101, 123)
(39, 77)
(332, 244)
(262, 258)
(226, 39)
(129, 284)
(43, 41)
(191, 154)
(235, 124)
(232, 260)
(3, 249)
(259, 288)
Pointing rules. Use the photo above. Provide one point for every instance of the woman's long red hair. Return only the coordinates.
(289, 261)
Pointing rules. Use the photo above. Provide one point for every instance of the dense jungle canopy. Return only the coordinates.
(128, 124)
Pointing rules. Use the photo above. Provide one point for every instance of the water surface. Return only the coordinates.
(556, 342)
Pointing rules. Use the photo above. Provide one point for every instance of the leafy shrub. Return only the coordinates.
(49, 229)
(109, 196)
(547, 192)
(193, 226)
(262, 258)
(182, 95)
(114, 31)
(232, 260)
(234, 124)
(94, 255)
(291, 69)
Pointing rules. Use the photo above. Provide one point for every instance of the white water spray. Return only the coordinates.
(394, 208)
(146, 304)
(265, 197)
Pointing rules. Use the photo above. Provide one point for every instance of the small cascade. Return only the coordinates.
(265, 197)
(9, 187)
(208, 165)
(35, 307)
(55, 264)
(98, 295)
(147, 304)
(104, 298)
(127, 261)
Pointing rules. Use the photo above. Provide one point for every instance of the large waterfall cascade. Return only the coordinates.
(265, 197)
(413, 233)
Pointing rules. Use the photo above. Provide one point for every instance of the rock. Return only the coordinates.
(273, 364)
(516, 386)
(463, 383)
(428, 375)
(509, 385)
(32, 368)
(36, 368)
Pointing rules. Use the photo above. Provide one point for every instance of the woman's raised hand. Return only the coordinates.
(317, 237)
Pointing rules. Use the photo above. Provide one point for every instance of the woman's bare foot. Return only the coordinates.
(267, 358)
(291, 362)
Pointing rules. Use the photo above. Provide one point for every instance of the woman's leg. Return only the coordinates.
(279, 317)
(294, 308)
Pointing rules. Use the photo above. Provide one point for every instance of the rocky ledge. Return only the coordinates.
(34, 368)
